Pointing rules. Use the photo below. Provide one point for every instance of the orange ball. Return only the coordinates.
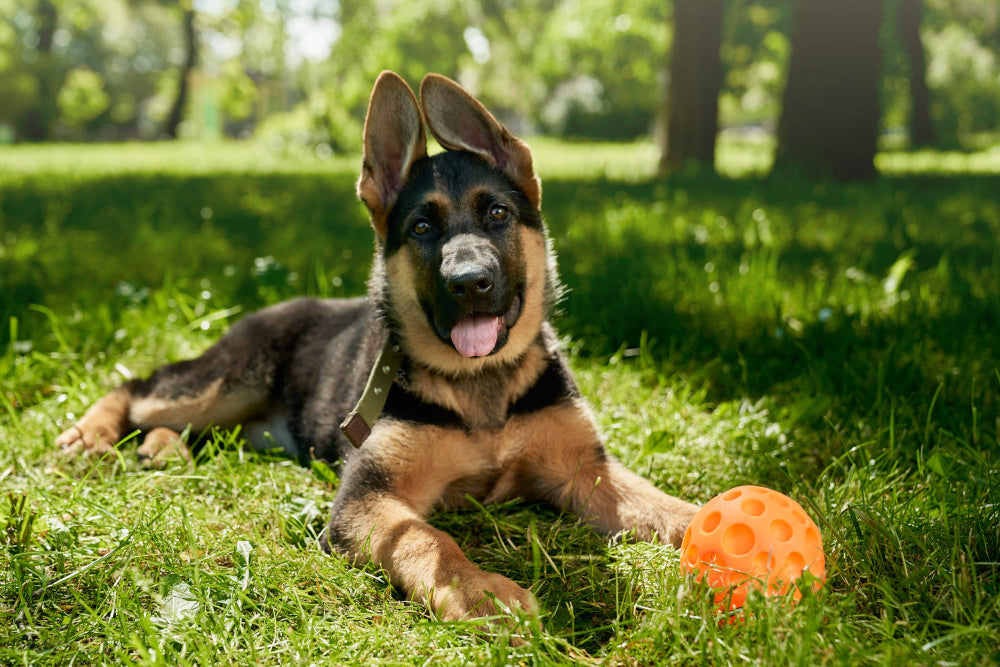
(749, 536)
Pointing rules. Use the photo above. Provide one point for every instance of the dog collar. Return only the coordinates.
(358, 425)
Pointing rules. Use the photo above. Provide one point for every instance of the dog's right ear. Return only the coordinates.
(461, 123)
(394, 140)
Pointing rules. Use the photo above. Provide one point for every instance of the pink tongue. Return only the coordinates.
(476, 336)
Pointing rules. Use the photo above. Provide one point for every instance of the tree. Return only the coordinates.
(38, 120)
(190, 60)
(695, 80)
(909, 18)
(830, 112)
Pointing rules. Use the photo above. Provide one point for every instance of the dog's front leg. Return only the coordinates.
(386, 491)
(567, 465)
(426, 563)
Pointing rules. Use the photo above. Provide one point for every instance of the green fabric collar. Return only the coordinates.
(359, 423)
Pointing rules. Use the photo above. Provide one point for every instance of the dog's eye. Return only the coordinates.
(499, 212)
(421, 227)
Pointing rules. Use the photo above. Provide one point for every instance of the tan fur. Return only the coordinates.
(439, 200)
(475, 194)
(554, 454)
(390, 528)
(570, 470)
(427, 563)
(210, 407)
(422, 343)
(533, 312)
(100, 428)
(160, 445)
(423, 460)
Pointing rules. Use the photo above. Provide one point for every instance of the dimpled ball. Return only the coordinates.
(749, 536)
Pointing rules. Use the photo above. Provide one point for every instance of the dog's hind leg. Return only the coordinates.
(223, 387)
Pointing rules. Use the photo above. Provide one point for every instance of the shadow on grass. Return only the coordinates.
(755, 287)
(565, 563)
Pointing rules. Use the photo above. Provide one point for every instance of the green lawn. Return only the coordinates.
(840, 343)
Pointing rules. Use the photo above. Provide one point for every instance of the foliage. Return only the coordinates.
(239, 93)
(126, 46)
(588, 68)
(601, 64)
(755, 53)
(965, 74)
(835, 342)
(582, 67)
(407, 37)
(82, 97)
(312, 125)
(963, 41)
(962, 47)
(17, 83)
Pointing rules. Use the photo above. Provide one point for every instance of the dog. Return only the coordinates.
(458, 380)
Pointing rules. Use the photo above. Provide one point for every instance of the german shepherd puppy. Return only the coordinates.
(483, 402)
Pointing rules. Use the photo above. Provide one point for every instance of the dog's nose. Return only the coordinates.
(470, 281)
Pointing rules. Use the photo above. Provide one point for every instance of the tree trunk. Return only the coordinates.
(37, 124)
(829, 121)
(695, 80)
(190, 60)
(911, 15)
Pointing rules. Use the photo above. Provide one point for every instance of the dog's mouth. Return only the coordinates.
(480, 334)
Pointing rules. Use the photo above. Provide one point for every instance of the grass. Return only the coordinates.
(835, 342)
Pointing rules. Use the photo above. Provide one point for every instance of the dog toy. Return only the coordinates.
(752, 537)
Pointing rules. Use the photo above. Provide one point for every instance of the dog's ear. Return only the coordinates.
(461, 123)
(394, 140)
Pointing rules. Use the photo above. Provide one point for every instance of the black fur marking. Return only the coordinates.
(404, 406)
(554, 385)
(361, 478)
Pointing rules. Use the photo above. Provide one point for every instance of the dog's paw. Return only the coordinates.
(483, 594)
(160, 446)
(91, 436)
(675, 521)
(99, 430)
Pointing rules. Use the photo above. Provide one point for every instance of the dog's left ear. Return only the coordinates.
(394, 140)
(461, 123)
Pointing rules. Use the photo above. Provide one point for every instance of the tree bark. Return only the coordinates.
(910, 17)
(38, 121)
(829, 121)
(695, 79)
(190, 60)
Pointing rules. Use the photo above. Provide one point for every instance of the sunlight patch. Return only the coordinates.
(178, 606)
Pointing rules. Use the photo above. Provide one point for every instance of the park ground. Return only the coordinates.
(836, 342)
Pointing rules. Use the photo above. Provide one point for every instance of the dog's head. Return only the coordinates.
(464, 272)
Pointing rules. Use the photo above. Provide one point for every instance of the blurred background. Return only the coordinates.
(825, 83)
